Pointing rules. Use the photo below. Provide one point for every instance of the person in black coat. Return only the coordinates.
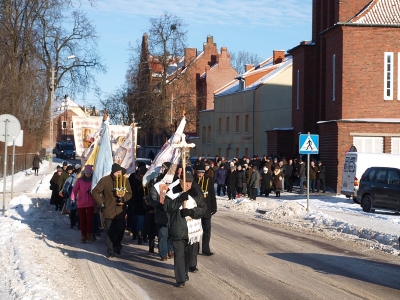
(266, 179)
(206, 185)
(321, 177)
(289, 176)
(231, 179)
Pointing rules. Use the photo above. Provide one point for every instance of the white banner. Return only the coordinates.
(84, 132)
(117, 135)
(125, 154)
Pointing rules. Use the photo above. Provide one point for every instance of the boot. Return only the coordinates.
(89, 238)
(151, 246)
(239, 195)
(83, 239)
(139, 238)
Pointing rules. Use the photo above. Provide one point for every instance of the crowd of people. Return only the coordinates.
(176, 213)
(260, 177)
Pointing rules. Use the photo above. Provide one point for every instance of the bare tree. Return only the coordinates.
(117, 109)
(37, 37)
(240, 59)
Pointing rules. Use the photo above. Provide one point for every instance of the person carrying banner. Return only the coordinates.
(112, 193)
(182, 217)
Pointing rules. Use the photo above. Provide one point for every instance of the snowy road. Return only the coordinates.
(253, 260)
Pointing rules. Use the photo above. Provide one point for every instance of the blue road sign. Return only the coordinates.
(308, 143)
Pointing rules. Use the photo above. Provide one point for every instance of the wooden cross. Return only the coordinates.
(183, 145)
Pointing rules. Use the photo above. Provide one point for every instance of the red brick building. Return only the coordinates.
(346, 81)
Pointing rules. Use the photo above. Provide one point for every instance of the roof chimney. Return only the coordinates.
(248, 67)
(190, 54)
(278, 56)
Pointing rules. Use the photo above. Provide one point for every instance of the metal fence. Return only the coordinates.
(22, 162)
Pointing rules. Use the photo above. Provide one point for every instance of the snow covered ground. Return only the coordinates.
(36, 262)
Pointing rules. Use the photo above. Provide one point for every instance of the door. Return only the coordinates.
(379, 189)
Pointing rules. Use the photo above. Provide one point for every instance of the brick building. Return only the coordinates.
(346, 81)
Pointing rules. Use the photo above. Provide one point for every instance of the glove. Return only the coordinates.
(186, 212)
(102, 206)
(213, 212)
(184, 196)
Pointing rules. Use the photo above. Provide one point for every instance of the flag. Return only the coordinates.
(104, 160)
(85, 133)
(125, 154)
(166, 154)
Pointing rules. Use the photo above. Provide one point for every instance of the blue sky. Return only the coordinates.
(255, 26)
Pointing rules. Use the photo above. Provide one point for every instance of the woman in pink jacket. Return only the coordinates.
(85, 202)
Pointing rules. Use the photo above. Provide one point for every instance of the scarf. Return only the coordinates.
(195, 230)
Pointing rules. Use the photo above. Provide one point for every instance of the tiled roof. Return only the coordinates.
(379, 12)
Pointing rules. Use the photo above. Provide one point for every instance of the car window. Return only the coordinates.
(381, 176)
(371, 175)
(394, 177)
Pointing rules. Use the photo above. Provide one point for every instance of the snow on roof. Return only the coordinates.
(379, 12)
(62, 104)
(266, 66)
(365, 120)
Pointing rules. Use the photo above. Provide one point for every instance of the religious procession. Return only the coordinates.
(167, 205)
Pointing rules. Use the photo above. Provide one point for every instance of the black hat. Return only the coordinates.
(70, 168)
(142, 170)
(200, 169)
(65, 163)
(116, 168)
(189, 177)
(319, 162)
(166, 165)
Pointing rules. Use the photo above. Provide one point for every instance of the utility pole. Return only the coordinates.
(51, 119)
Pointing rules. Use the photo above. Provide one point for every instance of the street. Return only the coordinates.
(253, 260)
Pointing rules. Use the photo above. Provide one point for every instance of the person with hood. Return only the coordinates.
(55, 184)
(220, 179)
(86, 204)
(113, 206)
(35, 164)
(186, 210)
(266, 179)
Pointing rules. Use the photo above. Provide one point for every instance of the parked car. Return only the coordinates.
(64, 150)
(356, 163)
(380, 189)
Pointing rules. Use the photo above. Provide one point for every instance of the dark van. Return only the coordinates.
(379, 189)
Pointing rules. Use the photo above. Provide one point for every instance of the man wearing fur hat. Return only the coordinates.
(186, 210)
(113, 206)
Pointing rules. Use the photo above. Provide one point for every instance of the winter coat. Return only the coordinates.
(81, 192)
(313, 172)
(321, 172)
(248, 171)
(241, 178)
(220, 176)
(231, 180)
(288, 170)
(302, 170)
(104, 192)
(67, 190)
(36, 162)
(210, 172)
(266, 179)
(277, 179)
(178, 225)
(160, 216)
(56, 199)
(254, 180)
(207, 185)
(137, 201)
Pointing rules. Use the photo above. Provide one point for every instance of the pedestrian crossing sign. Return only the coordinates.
(308, 144)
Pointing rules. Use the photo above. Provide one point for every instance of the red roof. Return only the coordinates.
(379, 12)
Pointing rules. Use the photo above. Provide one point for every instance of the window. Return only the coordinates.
(395, 145)
(209, 135)
(227, 124)
(219, 125)
(72, 125)
(388, 76)
(381, 176)
(64, 124)
(398, 76)
(246, 152)
(246, 123)
(237, 124)
(333, 77)
(298, 90)
(368, 144)
(393, 177)
(227, 153)
(203, 135)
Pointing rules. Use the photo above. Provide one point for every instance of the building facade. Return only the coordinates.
(346, 81)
